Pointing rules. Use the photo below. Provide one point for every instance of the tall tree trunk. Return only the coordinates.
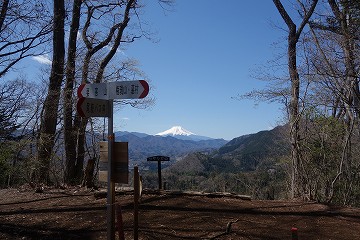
(81, 148)
(293, 38)
(70, 129)
(294, 113)
(51, 104)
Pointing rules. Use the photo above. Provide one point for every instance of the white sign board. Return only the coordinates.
(114, 90)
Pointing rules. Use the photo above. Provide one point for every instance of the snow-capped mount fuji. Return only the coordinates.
(176, 130)
(181, 133)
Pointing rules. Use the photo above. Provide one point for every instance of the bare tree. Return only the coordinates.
(70, 137)
(334, 53)
(24, 31)
(328, 101)
(101, 45)
(102, 25)
(17, 97)
(293, 38)
(51, 104)
(13, 97)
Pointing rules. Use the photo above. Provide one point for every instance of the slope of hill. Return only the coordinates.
(250, 165)
(191, 163)
(263, 141)
(245, 153)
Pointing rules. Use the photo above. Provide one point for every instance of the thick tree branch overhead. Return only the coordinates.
(23, 32)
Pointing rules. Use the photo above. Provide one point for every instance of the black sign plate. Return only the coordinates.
(158, 158)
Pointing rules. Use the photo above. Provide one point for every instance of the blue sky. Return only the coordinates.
(206, 55)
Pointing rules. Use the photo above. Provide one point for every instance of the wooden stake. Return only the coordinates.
(136, 202)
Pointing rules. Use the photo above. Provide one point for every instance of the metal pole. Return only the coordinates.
(110, 184)
(104, 130)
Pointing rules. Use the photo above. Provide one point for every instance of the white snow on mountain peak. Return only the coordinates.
(176, 131)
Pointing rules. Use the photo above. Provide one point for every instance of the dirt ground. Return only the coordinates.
(76, 214)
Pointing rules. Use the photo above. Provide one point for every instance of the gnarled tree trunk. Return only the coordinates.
(70, 129)
(51, 104)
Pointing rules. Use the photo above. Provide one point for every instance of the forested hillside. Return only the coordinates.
(254, 164)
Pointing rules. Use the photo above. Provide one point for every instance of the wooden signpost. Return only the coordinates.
(136, 202)
(101, 105)
(159, 159)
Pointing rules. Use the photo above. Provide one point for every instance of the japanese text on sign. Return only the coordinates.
(99, 108)
(88, 107)
(102, 91)
(114, 90)
(123, 90)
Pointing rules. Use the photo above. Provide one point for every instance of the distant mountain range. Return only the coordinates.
(244, 153)
(173, 143)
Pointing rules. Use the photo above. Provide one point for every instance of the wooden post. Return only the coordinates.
(136, 202)
(120, 226)
(159, 159)
(159, 174)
